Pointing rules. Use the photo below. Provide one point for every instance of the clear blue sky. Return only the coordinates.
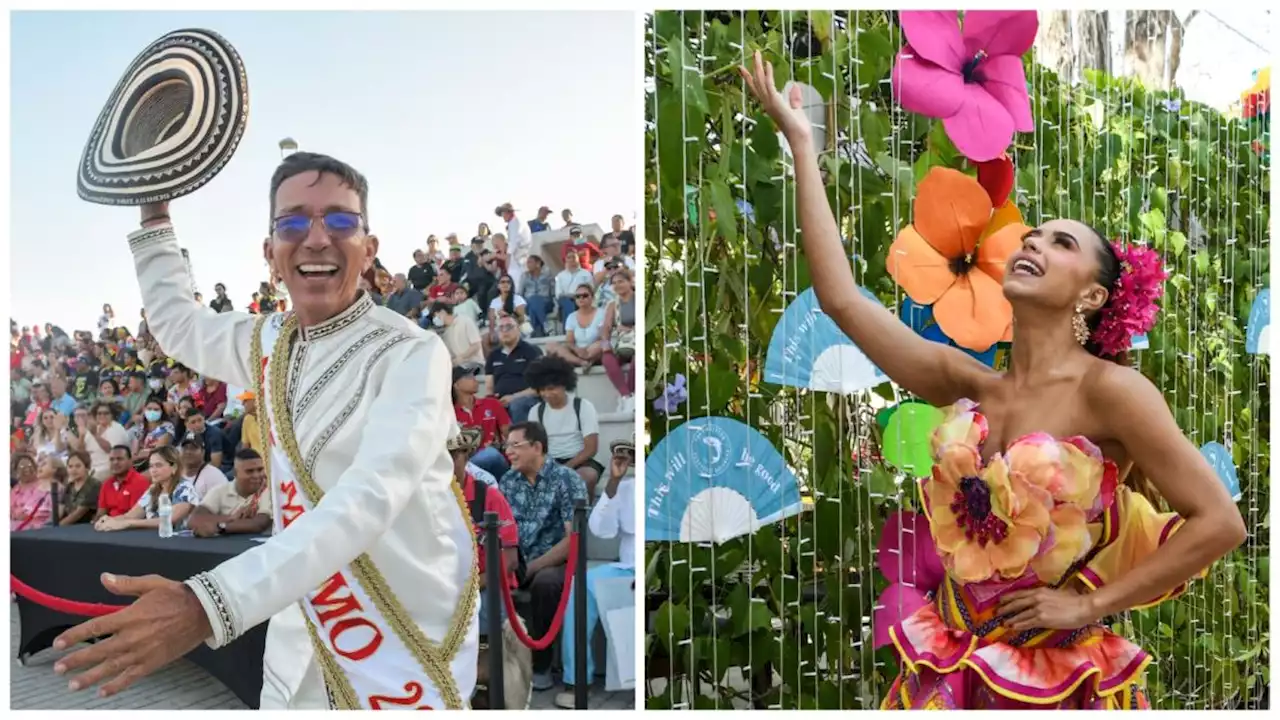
(447, 113)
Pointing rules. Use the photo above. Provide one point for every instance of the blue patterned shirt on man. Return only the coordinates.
(544, 507)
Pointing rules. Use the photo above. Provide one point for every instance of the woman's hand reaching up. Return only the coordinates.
(785, 112)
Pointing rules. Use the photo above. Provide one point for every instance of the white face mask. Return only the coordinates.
(437, 321)
(156, 384)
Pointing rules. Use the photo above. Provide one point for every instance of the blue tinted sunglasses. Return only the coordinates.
(339, 225)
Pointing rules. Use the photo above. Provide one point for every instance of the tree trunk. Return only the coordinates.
(1152, 44)
(1053, 43)
(1094, 48)
(1153, 47)
(1070, 51)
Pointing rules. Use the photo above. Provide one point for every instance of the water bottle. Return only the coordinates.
(165, 510)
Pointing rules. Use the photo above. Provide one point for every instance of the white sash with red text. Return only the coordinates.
(366, 664)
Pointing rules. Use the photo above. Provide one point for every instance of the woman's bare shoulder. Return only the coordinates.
(1120, 393)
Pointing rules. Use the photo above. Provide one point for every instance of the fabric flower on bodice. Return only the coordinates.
(1027, 509)
(953, 257)
(986, 522)
(972, 79)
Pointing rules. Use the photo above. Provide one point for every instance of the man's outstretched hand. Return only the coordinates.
(163, 624)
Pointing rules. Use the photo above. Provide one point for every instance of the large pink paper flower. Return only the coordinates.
(971, 79)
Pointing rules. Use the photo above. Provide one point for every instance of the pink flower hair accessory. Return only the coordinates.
(1131, 309)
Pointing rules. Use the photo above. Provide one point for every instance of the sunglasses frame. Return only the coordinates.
(361, 226)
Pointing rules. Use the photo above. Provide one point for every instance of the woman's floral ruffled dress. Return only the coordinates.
(1044, 512)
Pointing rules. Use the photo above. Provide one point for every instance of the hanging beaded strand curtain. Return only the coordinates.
(781, 618)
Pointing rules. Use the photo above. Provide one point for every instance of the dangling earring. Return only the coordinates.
(1080, 325)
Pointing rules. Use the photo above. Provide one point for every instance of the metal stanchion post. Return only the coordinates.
(581, 683)
(55, 509)
(493, 605)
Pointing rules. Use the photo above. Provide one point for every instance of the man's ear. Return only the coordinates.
(268, 254)
(371, 251)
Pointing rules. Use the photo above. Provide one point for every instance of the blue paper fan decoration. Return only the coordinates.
(714, 479)
(808, 350)
(1139, 342)
(1224, 467)
(1258, 330)
(920, 319)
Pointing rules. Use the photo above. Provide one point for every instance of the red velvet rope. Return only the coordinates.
(70, 607)
(545, 641)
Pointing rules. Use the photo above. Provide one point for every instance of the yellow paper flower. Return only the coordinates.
(985, 523)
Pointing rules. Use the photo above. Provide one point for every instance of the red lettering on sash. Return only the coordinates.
(328, 606)
(376, 702)
(290, 510)
(361, 652)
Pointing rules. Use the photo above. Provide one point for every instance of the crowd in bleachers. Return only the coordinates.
(103, 424)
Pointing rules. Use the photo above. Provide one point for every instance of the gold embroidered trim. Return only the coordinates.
(336, 683)
(340, 689)
(433, 658)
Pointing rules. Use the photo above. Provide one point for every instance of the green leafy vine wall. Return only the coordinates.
(781, 618)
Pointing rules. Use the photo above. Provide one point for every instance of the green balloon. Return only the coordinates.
(907, 444)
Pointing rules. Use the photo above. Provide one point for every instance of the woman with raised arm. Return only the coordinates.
(1038, 532)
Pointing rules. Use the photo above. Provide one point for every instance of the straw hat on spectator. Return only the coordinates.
(170, 125)
(467, 438)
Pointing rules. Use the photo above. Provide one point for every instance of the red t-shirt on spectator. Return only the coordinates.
(487, 414)
(207, 401)
(588, 253)
(117, 497)
(437, 292)
(494, 502)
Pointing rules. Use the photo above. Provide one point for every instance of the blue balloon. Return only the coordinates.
(1258, 329)
(714, 479)
(920, 319)
(1224, 467)
(808, 350)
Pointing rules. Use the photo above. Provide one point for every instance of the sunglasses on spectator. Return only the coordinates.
(583, 296)
(338, 224)
(504, 327)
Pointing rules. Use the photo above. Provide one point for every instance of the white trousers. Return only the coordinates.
(291, 677)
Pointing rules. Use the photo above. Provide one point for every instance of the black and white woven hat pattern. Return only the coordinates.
(170, 125)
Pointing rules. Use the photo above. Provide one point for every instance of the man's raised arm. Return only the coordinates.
(213, 344)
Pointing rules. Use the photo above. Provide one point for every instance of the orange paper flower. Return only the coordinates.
(953, 257)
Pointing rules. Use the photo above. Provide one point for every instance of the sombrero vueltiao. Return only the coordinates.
(170, 125)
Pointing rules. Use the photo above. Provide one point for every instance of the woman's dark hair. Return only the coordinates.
(509, 300)
(551, 371)
(105, 405)
(115, 386)
(171, 458)
(19, 457)
(83, 457)
(1108, 276)
(158, 400)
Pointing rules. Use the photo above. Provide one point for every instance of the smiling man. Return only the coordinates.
(372, 593)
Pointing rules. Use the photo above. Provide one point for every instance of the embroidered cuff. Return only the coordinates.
(146, 237)
(217, 607)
